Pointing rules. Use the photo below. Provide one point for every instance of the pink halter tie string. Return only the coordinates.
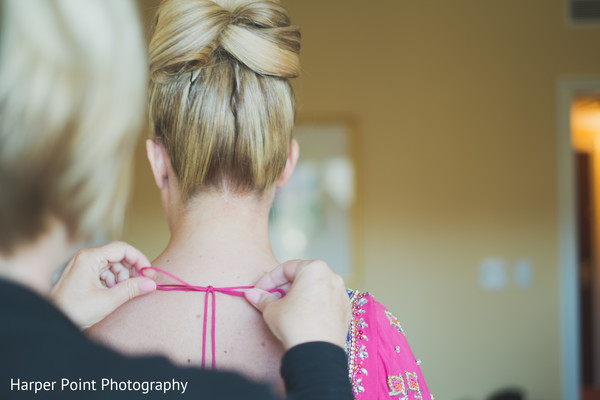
(210, 291)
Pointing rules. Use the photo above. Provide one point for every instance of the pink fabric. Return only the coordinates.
(210, 291)
(381, 363)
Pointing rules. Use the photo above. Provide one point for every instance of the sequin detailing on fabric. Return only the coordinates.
(394, 321)
(397, 386)
(357, 341)
(412, 381)
(381, 364)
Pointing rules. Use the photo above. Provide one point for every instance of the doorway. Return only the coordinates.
(579, 198)
(585, 139)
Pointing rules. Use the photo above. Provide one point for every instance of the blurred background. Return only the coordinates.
(471, 133)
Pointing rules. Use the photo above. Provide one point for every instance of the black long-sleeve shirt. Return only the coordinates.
(44, 356)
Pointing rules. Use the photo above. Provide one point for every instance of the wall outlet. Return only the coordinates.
(523, 273)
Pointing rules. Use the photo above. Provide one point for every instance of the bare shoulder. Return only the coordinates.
(129, 321)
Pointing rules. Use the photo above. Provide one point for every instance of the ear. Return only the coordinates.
(157, 156)
(290, 164)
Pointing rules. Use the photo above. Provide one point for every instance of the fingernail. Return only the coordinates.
(147, 285)
(252, 295)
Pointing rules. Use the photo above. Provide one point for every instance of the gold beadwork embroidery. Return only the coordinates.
(397, 386)
(412, 381)
(394, 321)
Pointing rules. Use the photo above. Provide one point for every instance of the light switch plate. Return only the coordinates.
(493, 275)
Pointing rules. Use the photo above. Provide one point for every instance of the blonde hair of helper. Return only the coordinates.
(71, 99)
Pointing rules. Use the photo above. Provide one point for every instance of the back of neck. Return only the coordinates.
(221, 240)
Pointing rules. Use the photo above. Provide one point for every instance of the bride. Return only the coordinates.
(223, 111)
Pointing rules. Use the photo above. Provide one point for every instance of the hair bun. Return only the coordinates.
(257, 33)
(261, 37)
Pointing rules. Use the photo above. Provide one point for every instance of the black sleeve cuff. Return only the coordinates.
(316, 371)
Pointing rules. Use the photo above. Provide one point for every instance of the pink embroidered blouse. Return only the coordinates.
(380, 362)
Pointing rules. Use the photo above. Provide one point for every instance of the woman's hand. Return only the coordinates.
(316, 307)
(80, 292)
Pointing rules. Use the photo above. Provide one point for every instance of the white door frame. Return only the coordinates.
(568, 277)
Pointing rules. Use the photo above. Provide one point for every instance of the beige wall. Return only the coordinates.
(455, 104)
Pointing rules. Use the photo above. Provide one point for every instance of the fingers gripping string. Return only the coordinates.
(211, 291)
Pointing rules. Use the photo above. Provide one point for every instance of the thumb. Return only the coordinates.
(131, 288)
(260, 298)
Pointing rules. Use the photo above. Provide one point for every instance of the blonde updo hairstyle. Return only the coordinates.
(73, 78)
(220, 99)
